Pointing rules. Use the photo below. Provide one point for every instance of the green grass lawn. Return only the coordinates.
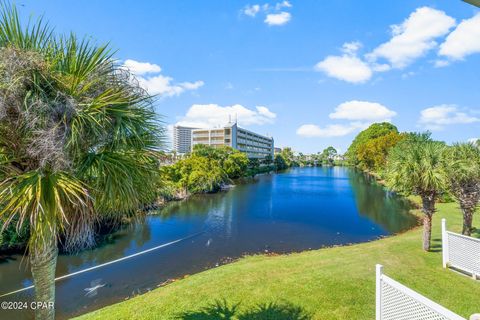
(332, 283)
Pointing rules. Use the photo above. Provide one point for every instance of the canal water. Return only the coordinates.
(301, 209)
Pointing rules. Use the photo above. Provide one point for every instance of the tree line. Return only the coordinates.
(415, 164)
(287, 158)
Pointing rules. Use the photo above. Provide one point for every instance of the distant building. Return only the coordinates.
(253, 144)
(277, 150)
(182, 139)
(338, 157)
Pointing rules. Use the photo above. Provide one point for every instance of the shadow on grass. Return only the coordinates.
(475, 232)
(275, 311)
(436, 245)
(222, 310)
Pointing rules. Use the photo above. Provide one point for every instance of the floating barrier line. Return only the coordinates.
(108, 263)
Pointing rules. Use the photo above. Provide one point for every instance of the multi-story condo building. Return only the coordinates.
(182, 139)
(253, 144)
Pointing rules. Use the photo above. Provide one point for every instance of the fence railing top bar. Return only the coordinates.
(427, 302)
(462, 236)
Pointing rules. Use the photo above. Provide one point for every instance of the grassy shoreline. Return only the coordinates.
(330, 283)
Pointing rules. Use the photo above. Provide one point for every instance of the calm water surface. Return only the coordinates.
(304, 208)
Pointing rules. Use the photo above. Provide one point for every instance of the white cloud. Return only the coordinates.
(380, 67)
(462, 41)
(437, 117)
(164, 86)
(277, 19)
(283, 4)
(414, 37)
(140, 68)
(332, 130)
(211, 115)
(346, 67)
(360, 115)
(191, 85)
(473, 140)
(356, 110)
(410, 40)
(275, 15)
(441, 63)
(158, 84)
(351, 48)
(251, 10)
(265, 112)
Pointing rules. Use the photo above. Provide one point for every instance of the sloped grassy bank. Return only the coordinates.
(331, 283)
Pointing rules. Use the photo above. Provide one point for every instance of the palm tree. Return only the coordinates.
(414, 166)
(78, 142)
(463, 168)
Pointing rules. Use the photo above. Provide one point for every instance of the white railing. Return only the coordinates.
(397, 302)
(460, 252)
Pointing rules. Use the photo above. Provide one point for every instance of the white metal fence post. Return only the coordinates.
(378, 291)
(444, 243)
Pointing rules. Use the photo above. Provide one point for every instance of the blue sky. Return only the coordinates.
(309, 73)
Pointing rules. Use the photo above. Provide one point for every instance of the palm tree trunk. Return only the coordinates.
(427, 231)
(468, 196)
(467, 221)
(428, 208)
(43, 261)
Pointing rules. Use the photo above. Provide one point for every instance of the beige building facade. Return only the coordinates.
(256, 146)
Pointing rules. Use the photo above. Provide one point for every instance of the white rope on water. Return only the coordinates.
(108, 263)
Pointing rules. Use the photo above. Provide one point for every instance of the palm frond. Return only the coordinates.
(121, 181)
(417, 167)
(115, 120)
(36, 36)
(82, 64)
(463, 162)
(41, 198)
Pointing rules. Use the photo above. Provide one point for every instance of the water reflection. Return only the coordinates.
(379, 205)
(297, 210)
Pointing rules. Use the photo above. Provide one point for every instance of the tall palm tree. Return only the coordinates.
(463, 167)
(78, 141)
(414, 166)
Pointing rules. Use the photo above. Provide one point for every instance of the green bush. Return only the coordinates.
(235, 165)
